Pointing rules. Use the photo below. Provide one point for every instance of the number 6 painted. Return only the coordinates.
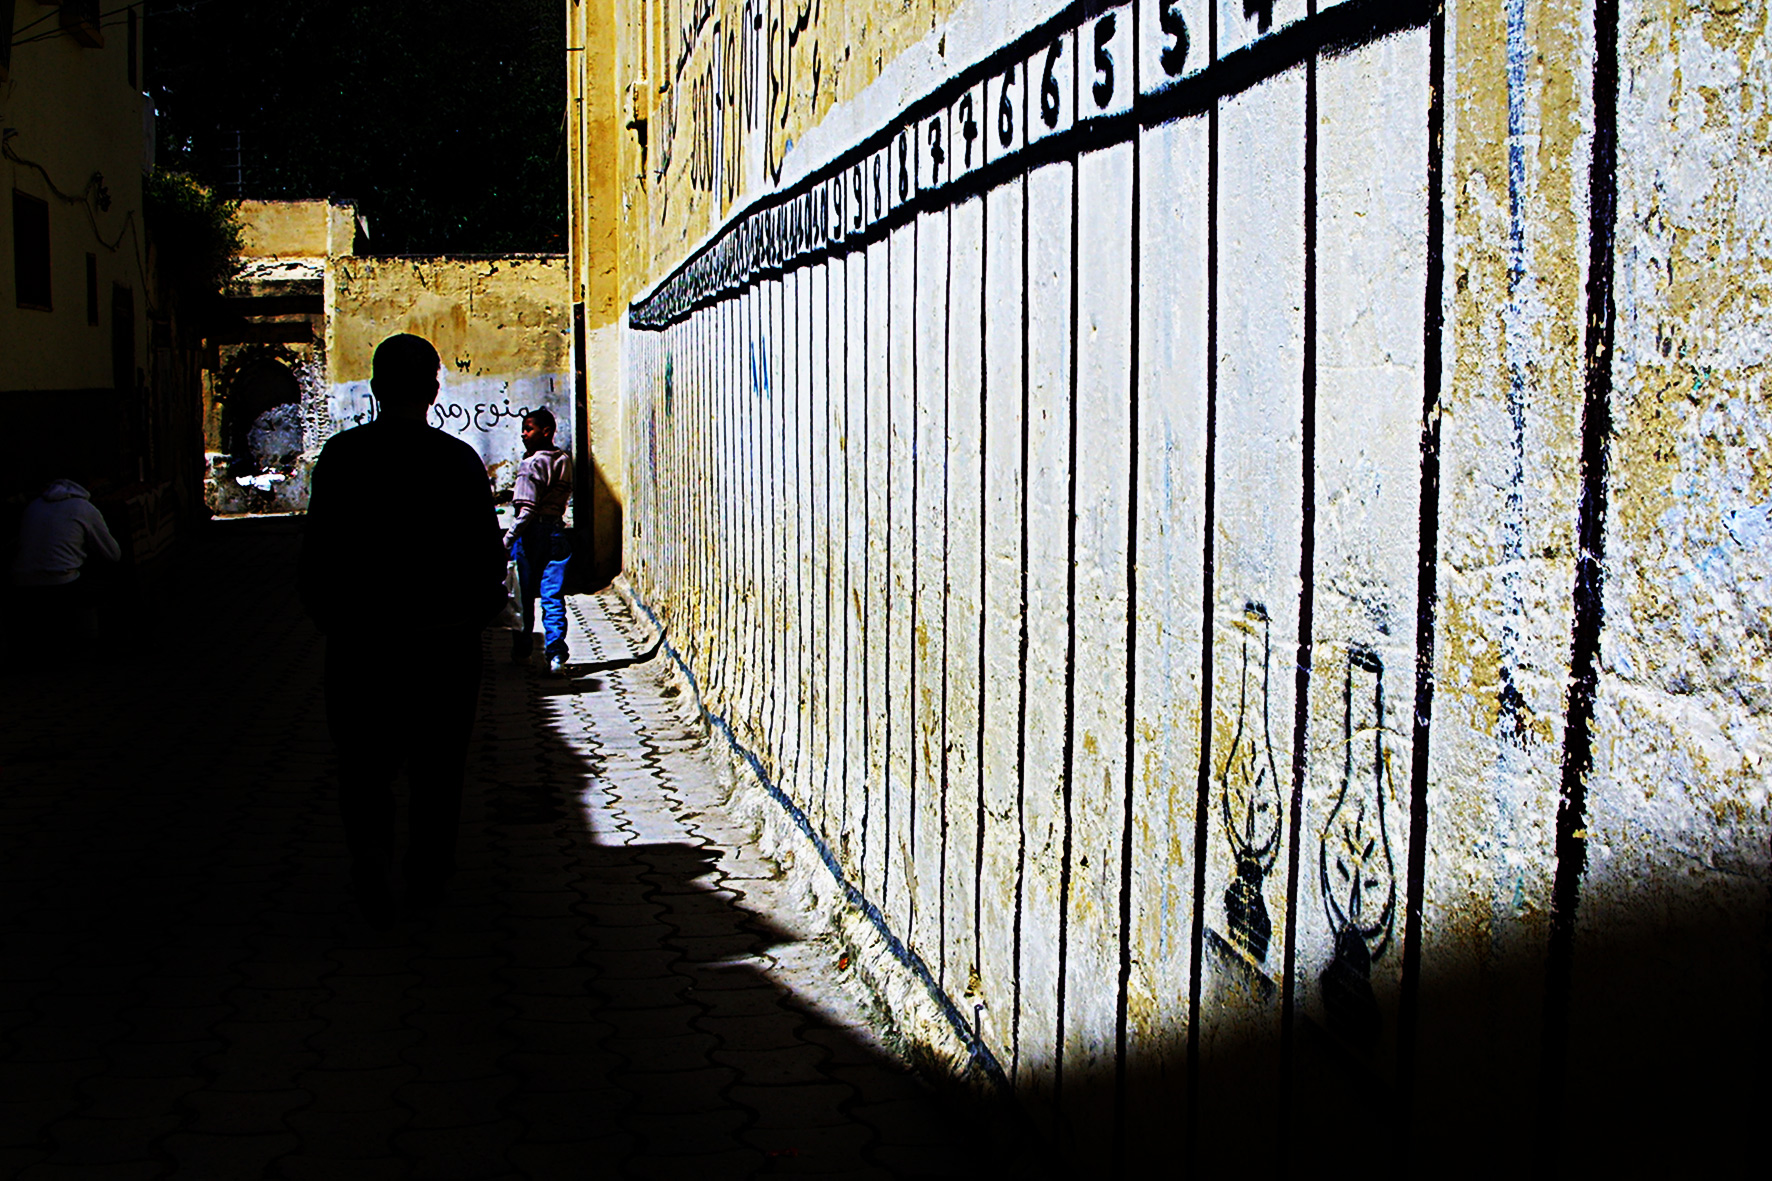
(1006, 112)
(1049, 87)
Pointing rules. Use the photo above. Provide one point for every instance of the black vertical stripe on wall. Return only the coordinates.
(984, 451)
(848, 599)
(1588, 608)
(913, 587)
(777, 513)
(806, 567)
(793, 734)
(1307, 587)
(804, 552)
(1426, 585)
(785, 690)
(1135, 312)
(1021, 704)
(1067, 781)
(830, 576)
(885, 894)
(723, 471)
(947, 430)
(734, 542)
(866, 786)
(1191, 1147)
(759, 443)
(753, 438)
(704, 506)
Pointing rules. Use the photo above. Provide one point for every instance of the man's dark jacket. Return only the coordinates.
(402, 536)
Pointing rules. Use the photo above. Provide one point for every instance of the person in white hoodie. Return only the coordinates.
(60, 531)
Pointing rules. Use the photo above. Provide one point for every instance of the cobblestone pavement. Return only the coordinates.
(617, 986)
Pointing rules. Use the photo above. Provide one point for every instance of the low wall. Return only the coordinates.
(1247, 555)
(502, 326)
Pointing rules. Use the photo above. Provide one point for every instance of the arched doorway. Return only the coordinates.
(261, 418)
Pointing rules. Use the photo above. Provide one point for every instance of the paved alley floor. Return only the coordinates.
(617, 986)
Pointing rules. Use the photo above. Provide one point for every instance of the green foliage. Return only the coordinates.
(196, 235)
(441, 118)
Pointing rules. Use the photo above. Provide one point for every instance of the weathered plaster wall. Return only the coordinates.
(1677, 837)
(500, 324)
(284, 229)
(73, 136)
(1248, 567)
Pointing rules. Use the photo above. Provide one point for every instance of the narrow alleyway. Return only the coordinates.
(617, 987)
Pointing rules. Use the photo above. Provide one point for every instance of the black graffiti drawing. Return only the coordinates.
(482, 416)
(1249, 793)
(1354, 863)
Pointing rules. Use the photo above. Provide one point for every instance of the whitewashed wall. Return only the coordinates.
(1125, 488)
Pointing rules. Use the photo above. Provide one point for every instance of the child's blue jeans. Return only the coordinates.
(541, 553)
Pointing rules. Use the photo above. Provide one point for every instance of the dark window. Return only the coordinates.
(6, 10)
(30, 250)
(134, 46)
(122, 338)
(92, 289)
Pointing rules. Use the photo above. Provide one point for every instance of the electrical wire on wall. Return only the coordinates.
(95, 193)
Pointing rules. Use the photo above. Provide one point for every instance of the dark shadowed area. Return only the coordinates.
(443, 120)
(185, 990)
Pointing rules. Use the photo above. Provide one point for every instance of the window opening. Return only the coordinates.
(30, 250)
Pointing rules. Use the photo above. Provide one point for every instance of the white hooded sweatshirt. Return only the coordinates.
(58, 530)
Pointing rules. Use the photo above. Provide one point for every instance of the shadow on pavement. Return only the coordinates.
(185, 991)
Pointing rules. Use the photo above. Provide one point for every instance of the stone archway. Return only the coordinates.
(261, 424)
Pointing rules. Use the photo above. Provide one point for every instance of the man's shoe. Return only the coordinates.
(557, 665)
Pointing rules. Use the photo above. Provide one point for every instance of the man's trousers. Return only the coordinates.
(406, 702)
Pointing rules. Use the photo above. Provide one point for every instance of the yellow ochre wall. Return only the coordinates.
(500, 325)
(296, 229)
(72, 122)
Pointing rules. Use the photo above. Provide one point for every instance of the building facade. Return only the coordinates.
(75, 291)
(288, 362)
(1235, 532)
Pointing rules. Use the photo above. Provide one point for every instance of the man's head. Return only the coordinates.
(405, 372)
(538, 430)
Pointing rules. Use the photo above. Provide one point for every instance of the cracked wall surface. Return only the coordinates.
(500, 325)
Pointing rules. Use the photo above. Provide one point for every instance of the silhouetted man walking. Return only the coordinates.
(402, 566)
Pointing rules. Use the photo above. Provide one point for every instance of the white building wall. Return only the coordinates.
(1127, 502)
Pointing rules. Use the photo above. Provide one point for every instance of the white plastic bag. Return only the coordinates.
(511, 614)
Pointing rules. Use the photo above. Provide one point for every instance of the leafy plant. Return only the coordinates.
(196, 235)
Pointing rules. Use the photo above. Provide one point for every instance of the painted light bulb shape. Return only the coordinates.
(1249, 794)
(1354, 865)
